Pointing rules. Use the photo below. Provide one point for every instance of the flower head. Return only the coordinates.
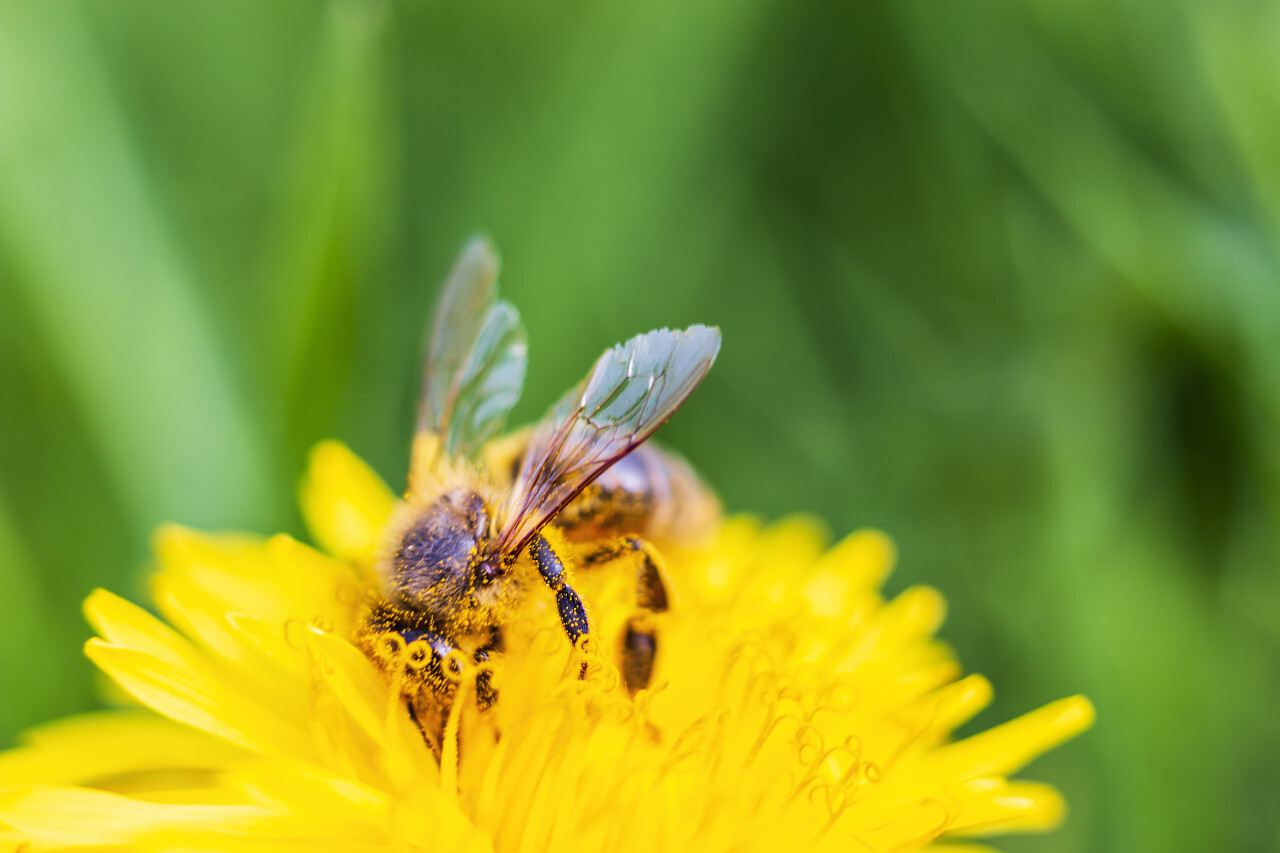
(792, 708)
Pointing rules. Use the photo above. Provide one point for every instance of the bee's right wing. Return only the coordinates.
(476, 356)
(632, 390)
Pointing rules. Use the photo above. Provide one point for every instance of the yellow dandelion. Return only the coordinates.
(792, 708)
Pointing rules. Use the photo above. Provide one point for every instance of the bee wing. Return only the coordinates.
(476, 356)
(632, 390)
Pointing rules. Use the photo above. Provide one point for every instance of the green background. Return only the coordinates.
(997, 276)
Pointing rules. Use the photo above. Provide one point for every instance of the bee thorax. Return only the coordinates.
(441, 564)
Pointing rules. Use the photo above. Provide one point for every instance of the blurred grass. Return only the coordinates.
(997, 276)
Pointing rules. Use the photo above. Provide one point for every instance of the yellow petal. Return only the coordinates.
(200, 696)
(90, 747)
(1011, 807)
(378, 710)
(274, 579)
(265, 662)
(914, 614)
(125, 624)
(859, 562)
(958, 702)
(345, 504)
(166, 672)
(81, 816)
(300, 788)
(12, 841)
(1009, 747)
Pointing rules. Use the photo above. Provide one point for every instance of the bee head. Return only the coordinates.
(445, 557)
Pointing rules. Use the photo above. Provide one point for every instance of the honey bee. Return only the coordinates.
(487, 521)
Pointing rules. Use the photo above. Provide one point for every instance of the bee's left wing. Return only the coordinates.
(632, 390)
(476, 356)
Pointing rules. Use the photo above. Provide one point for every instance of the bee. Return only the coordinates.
(487, 521)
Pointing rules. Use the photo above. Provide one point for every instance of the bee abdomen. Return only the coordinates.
(649, 492)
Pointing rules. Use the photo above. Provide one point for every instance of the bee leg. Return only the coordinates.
(640, 640)
(441, 684)
(573, 614)
(425, 647)
(651, 589)
(427, 692)
(639, 649)
(486, 693)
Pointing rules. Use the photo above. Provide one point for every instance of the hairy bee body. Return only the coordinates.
(486, 521)
(439, 561)
(650, 492)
